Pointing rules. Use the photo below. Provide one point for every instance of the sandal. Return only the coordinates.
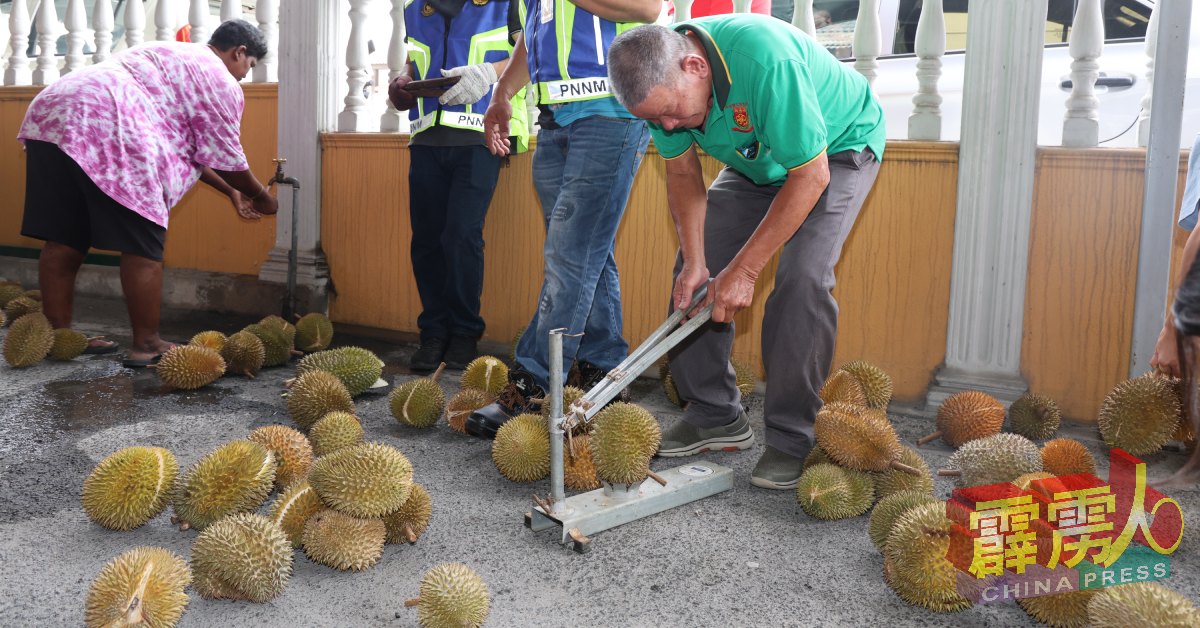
(113, 347)
(141, 364)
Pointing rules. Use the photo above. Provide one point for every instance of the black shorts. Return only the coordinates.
(63, 205)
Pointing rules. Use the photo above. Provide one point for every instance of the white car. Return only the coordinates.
(1120, 88)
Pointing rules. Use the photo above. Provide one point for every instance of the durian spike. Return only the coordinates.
(900, 466)
(437, 372)
(950, 473)
(416, 601)
(657, 478)
(933, 436)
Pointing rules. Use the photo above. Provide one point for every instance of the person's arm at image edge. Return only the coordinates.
(1166, 353)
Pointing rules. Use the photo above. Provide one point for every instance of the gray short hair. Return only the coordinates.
(643, 57)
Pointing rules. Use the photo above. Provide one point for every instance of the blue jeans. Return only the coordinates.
(582, 173)
(449, 190)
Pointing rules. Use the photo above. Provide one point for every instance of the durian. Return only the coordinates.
(277, 322)
(243, 556)
(277, 347)
(335, 431)
(315, 394)
(829, 492)
(407, 523)
(966, 416)
(579, 469)
(28, 341)
(292, 508)
(1035, 417)
(343, 542)
(19, 307)
(746, 377)
(452, 596)
(668, 383)
(36, 295)
(236, 477)
(512, 350)
(521, 449)
(1141, 604)
(841, 387)
(214, 340)
(917, 567)
(570, 394)
(68, 344)
(292, 451)
(314, 332)
(817, 456)
(142, 587)
(243, 354)
(190, 366)
(993, 460)
(1140, 415)
(1060, 610)
(10, 290)
(889, 509)
(858, 440)
(356, 367)
(894, 481)
(366, 481)
(130, 487)
(485, 373)
(876, 384)
(623, 440)
(1023, 481)
(461, 405)
(1065, 456)
(419, 402)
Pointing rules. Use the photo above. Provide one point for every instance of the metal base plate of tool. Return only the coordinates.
(616, 504)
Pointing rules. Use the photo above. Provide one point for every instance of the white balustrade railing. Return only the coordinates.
(393, 120)
(102, 24)
(868, 40)
(198, 19)
(683, 10)
(353, 117)
(76, 23)
(47, 30)
(741, 6)
(231, 10)
(135, 23)
(1143, 123)
(1081, 123)
(17, 71)
(267, 14)
(802, 17)
(164, 20)
(925, 123)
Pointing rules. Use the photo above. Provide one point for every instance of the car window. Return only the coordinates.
(1123, 19)
(834, 20)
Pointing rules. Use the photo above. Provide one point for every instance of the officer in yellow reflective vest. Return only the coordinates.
(452, 174)
(588, 151)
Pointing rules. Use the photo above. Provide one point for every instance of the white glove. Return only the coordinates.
(474, 84)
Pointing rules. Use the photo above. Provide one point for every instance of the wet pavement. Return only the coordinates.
(746, 557)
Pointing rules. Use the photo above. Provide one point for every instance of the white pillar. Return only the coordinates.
(683, 10)
(353, 117)
(164, 20)
(868, 40)
(47, 30)
(997, 152)
(102, 24)
(925, 123)
(135, 23)
(741, 6)
(310, 63)
(394, 120)
(76, 23)
(1143, 129)
(232, 10)
(1081, 124)
(267, 14)
(1162, 177)
(17, 72)
(802, 17)
(198, 19)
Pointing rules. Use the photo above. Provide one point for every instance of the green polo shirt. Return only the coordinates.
(779, 100)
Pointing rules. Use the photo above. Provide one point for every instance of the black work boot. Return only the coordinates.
(429, 356)
(590, 376)
(460, 352)
(515, 398)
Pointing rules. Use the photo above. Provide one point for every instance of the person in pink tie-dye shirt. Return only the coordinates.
(113, 147)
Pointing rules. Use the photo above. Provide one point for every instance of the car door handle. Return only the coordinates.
(1104, 81)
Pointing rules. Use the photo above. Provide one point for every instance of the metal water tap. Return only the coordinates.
(290, 308)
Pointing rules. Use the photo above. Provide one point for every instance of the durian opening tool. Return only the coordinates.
(616, 504)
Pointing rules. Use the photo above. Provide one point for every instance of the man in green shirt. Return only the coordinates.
(801, 136)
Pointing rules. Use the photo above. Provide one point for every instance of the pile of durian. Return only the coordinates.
(30, 337)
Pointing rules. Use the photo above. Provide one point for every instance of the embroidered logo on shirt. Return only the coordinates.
(427, 10)
(741, 118)
(479, 3)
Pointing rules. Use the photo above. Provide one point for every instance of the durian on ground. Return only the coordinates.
(130, 487)
(407, 523)
(343, 542)
(829, 492)
(967, 416)
(142, 587)
(521, 449)
(364, 481)
(419, 402)
(335, 431)
(234, 478)
(315, 394)
(1140, 415)
(623, 440)
(452, 596)
(244, 557)
(356, 367)
(293, 453)
(29, 339)
(292, 508)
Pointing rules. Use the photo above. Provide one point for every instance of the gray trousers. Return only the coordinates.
(800, 323)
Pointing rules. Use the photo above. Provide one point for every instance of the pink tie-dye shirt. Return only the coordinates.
(143, 124)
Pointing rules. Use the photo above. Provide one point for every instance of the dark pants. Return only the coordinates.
(800, 323)
(450, 188)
